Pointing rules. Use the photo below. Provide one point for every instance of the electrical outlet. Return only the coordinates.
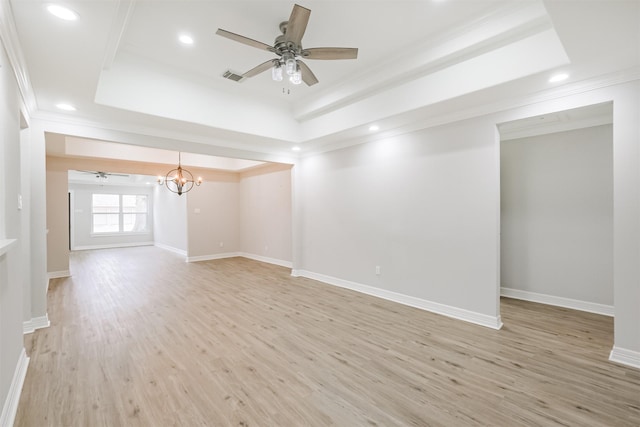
(377, 270)
(221, 244)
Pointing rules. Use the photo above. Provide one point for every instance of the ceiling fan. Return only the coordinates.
(289, 49)
(103, 175)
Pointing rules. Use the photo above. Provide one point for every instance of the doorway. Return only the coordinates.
(557, 209)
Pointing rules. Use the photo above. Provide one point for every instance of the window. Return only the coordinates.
(119, 213)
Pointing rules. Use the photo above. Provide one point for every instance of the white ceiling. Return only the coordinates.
(122, 66)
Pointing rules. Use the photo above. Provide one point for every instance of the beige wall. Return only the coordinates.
(212, 218)
(265, 213)
(57, 222)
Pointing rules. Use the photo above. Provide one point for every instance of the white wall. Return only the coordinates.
(213, 224)
(423, 206)
(81, 235)
(265, 214)
(11, 299)
(557, 214)
(170, 220)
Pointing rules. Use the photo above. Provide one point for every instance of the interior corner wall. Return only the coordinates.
(266, 214)
(423, 207)
(57, 221)
(170, 220)
(557, 214)
(212, 218)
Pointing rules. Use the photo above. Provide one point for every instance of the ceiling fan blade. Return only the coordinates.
(307, 75)
(244, 40)
(330, 53)
(259, 69)
(297, 24)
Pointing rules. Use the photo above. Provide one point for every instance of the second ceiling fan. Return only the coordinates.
(288, 47)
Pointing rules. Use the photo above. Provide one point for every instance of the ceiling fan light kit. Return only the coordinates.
(288, 47)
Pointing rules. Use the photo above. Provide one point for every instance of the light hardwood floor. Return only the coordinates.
(138, 337)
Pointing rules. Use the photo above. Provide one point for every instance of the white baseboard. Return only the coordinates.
(625, 357)
(10, 407)
(268, 260)
(280, 262)
(493, 322)
(29, 326)
(590, 307)
(111, 246)
(58, 274)
(171, 249)
(212, 256)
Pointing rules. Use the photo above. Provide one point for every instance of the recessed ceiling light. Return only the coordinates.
(185, 39)
(62, 12)
(65, 107)
(374, 128)
(558, 77)
(295, 148)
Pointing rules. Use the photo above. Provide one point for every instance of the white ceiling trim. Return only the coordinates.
(561, 121)
(498, 29)
(11, 42)
(90, 148)
(133, 86)
(157, 138)
(429, 116)
(118, 28)
(526, 57)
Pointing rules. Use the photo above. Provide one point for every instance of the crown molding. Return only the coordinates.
(427, 119)
(11, 43)
(118, 28)
(148, 136)
(500, 27)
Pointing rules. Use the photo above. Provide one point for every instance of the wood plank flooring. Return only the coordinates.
(138, 337)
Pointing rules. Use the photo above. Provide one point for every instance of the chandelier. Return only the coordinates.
(179, 180)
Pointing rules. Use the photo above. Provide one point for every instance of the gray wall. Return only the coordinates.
(423, 206)
(557, 214)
